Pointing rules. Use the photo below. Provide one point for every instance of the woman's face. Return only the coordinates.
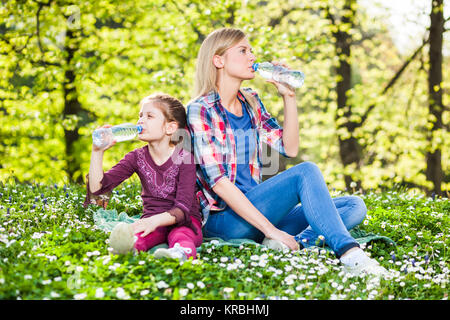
(153, 122)
(238, 60)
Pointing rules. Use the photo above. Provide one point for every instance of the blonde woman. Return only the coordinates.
(228, 125)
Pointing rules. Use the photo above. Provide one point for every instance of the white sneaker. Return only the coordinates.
(358, 263)
(177, 252)
(122, 238)
(275, 244)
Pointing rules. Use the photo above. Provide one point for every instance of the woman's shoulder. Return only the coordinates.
(204, 101)
(202, 107)
(250, 91)
(251, 94)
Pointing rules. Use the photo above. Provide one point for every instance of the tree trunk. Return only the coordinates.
(72, 107)
(434, 171)
(349, 148)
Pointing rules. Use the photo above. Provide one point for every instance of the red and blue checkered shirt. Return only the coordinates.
(214, 144)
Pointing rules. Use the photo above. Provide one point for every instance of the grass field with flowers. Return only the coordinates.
(51, 249)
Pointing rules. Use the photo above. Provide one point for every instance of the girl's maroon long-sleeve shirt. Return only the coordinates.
(169, 187)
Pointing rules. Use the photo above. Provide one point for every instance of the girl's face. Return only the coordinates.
(237, 61)
(155, 127)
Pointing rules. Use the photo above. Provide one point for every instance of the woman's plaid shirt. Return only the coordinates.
(215, 148)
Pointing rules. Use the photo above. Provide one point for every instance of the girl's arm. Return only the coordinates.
(100, 182)
(96, 171)
(240, 204)
(96, 166)
(185, 197)
(148, 225)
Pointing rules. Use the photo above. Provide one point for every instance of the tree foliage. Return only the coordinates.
(70, 66)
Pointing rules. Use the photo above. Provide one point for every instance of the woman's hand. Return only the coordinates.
(109, 145)
(283, 237)
(145, 225)
(283, 89)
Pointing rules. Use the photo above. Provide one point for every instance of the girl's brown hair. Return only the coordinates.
(172, 109)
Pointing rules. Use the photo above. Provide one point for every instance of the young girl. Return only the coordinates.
(167, 173)
(228, 126)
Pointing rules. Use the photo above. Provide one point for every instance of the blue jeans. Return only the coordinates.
(279, 198)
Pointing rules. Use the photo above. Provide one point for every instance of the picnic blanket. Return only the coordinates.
(106, 220)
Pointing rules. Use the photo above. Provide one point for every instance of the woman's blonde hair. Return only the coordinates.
(216, 43)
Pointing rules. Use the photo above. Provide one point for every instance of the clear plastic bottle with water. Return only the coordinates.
(101, 137)
(292, 78)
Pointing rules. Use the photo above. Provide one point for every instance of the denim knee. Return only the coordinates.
(307, 167)
(360, 211)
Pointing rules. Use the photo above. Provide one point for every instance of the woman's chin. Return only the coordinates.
(250, 77)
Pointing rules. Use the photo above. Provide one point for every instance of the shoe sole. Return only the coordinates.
(163, 253)
(121, 238)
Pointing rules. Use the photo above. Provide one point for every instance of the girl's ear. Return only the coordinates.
(218, 61)
(171, 127)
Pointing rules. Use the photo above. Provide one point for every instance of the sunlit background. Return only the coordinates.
(70, 66)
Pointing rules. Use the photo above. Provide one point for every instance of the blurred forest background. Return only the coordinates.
(374, 111)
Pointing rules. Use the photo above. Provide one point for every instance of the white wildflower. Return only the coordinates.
(80, 296)
(184, 292)
(162, 285)
(121, 294)
(99, 293)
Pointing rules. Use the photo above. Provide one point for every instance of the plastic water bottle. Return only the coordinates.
(101, 137)
(292, 78)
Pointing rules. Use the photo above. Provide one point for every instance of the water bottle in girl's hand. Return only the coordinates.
(101, 137)
(280, 74)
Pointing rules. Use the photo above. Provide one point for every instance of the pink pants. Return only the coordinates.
(183, 235)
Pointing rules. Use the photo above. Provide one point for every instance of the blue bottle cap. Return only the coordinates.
(139, 128)
(255, 66)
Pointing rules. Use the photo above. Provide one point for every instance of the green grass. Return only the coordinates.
(50, 249)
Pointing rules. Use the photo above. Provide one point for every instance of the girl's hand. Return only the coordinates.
(146, 226)
(284, 237)
(113, 142)
(283, 89)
